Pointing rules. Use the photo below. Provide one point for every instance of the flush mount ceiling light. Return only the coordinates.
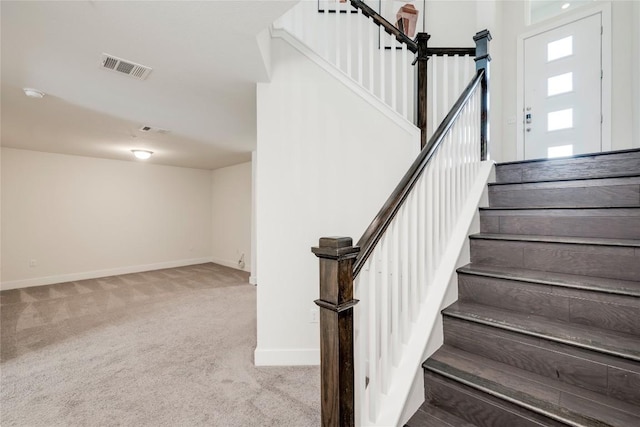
(566, 5)
(33, 93)
(142, 154)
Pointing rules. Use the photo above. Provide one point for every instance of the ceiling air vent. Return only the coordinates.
(152, 129)
(113, 63)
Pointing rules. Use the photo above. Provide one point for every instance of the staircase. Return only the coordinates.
(546, 331)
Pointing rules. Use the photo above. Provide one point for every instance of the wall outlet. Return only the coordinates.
(241, 262)
(314, 315)
(33, 263)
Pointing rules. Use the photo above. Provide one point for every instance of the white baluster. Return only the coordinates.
(404, 69)
(324, 23)
(365, 331)
(382, 64)
(371, 50)
(430, 222)
(434, 97)
(348, 25)
(373, 339)
(405, 250)
(394, 81)
(414, 255)
(359, 372)
(396, 286)
(383, 276)
(338, 42)
(360, 18)
(422, 256)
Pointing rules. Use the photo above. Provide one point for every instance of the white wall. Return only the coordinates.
(231, 216)
(82, 217)
(624, 107)
(327, 160)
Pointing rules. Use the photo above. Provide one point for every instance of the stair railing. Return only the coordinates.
(383, 60)
(390, 272)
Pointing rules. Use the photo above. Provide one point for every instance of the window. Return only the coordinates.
(560, 48)
(562, 119)
(562, 83)
(560, 151)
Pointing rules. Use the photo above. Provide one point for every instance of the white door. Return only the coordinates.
(563, 90)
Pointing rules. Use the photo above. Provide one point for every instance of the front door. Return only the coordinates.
(563, 90)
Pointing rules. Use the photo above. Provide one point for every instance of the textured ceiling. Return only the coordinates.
(206, 59)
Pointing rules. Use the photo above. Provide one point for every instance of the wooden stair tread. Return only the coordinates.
(564, 160)
(574, 281)
(627, 179)
(561, 210)
(604, 341)
(432, 416)
(595, 241)
(550, 398)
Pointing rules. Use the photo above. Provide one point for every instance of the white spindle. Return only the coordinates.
(434, 96)
(381, 65)
(422, 254)
(371, 27)
(359, 37)
(394, 81)
(404, 69)
(384, 313)
(373, 338)
(405, 250)
(349, 58)
(396, 286)
(338, 43)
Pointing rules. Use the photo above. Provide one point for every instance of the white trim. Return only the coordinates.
(601, 8)
(346, 80)
(61, 278)
(253, 280)
(287, 357)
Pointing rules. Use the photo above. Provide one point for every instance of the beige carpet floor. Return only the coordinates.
(164, 348)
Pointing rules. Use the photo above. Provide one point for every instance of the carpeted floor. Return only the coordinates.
(164, 348)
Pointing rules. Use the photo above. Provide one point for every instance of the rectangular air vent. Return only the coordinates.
(152, 129)
(113, 63)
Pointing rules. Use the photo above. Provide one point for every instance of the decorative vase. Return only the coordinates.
(407, 19)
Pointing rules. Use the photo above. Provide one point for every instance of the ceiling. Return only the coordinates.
(206, 58)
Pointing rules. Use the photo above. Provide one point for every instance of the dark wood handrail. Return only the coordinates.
(378, 226)
(451, 51)
(385, 25)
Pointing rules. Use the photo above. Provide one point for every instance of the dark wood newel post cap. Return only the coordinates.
(422, 37)
(482, 34)
(338, 248)
(482, 39)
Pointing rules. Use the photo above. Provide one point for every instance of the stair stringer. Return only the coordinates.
(407, 392)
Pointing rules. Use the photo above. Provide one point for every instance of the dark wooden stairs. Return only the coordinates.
(546, 331)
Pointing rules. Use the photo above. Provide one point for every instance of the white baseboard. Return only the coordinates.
(287, 357)
(61, 278)
(227, 263)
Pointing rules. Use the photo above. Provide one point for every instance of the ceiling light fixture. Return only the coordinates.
(566, 5)
(142, 154)
(33, 93)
